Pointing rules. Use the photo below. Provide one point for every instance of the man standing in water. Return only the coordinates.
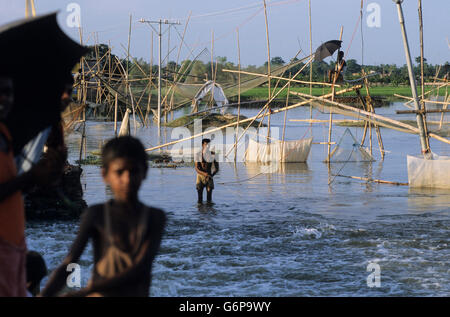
(206, 167)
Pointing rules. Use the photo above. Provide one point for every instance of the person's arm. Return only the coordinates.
(59, 276)
(197, 169)
(144, 259)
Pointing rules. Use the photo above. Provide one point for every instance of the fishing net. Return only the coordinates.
(292, 151)
(434, 173)
(350, 150)
(195, 73)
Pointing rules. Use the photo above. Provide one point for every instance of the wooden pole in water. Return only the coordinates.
(212, 69)
(239, 95)
(268, 72)
(422, 70)
(420, 119)
(115, 115)
(310, 52)
(446, 99)
(284, 123)
(330, 127)
(150, 82)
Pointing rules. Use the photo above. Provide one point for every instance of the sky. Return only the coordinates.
(288, 21)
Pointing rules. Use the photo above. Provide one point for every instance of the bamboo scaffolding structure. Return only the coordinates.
(374, 115)
(178, 57)
(269, 101)
(245, 120)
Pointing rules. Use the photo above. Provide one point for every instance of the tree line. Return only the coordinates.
(198, 71)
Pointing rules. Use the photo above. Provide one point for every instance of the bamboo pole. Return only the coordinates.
(422, 72)
(444, 108)
(239, 95)
(420, 120)
(374, 180)
(278, 77)
(248, 119)
(330, 127)
(310, 52)
(115, 115)
(444, 103)
(268, 74)
(268, 49)
(284, 122)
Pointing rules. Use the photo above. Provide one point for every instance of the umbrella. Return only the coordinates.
(327, 49)
(39, 57)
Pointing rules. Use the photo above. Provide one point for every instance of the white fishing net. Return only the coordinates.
(434, 173)
(292, 151)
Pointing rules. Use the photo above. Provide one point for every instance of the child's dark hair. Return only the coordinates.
(206, 141)
(126, 147)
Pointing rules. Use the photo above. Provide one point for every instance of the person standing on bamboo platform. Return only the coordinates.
(206, 167)
(12, 215)
(341, 66)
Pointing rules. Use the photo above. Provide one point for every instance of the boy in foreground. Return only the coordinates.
(126, 234)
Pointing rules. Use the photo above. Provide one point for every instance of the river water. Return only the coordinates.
(284, 232)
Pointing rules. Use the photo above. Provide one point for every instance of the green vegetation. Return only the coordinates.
(197, 71)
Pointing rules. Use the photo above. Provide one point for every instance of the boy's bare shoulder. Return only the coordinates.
(93, 213)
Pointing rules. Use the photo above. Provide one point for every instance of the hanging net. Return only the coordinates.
(292, 151)
(434, 173)
(349, 150)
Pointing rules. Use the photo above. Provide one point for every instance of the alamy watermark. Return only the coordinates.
(374, 278)
(73, 19)
(374, 15)
(74, 278)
